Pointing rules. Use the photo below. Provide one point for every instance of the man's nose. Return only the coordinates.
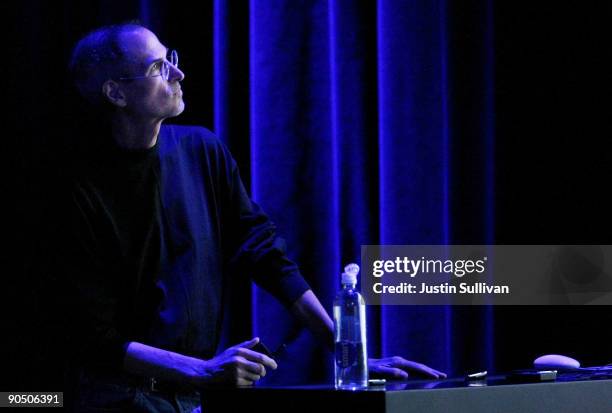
(175, 74)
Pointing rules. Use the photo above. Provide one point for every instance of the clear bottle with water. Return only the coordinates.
(351, 358)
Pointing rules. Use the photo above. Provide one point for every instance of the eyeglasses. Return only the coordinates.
(162, 66)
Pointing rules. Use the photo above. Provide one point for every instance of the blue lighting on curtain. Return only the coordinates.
(442, 24)
(351, 141)
(413, 161)
(336, 155)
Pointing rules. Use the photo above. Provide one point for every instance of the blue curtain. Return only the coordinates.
(346, 111)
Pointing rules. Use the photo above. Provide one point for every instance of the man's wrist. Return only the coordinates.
(193, 371)
(148, 361)
(311, 313)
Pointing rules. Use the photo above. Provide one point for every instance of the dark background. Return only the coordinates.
(551, 102)
(554, 166)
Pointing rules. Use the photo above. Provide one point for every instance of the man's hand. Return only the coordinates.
(238, 365)
(398, 368)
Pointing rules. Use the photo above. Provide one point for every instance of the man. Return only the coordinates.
(158, 216)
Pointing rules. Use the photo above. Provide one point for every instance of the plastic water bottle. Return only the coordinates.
(351, 359)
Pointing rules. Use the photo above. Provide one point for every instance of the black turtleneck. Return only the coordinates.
(150, 238)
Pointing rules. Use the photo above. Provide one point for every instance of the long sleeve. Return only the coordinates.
(259, 250)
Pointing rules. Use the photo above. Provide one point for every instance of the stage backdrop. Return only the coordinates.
(348, 111)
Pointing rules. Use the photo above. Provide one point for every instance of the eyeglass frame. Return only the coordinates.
(165, 67)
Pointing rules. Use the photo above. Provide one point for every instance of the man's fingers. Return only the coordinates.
(257, 357)
(251, 367)
(428, 372)
(247, 375)
(379, 365)
(392, 373)
(247, 344)
(244, 349)
(441, 375)
(243, 382)
(417, 368)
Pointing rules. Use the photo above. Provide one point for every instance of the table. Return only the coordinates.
(452, 395)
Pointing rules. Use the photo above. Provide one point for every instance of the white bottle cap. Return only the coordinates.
(349, 276)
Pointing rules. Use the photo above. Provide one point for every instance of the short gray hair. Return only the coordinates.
(97, 57)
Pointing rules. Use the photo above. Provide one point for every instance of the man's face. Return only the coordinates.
(150, 98)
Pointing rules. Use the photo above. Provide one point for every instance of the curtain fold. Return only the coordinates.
(413, 161)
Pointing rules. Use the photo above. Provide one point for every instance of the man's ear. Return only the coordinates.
(113, 93)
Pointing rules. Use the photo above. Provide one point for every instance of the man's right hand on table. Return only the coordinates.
(237, 365)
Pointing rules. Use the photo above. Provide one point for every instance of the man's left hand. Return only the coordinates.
(398, 368)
